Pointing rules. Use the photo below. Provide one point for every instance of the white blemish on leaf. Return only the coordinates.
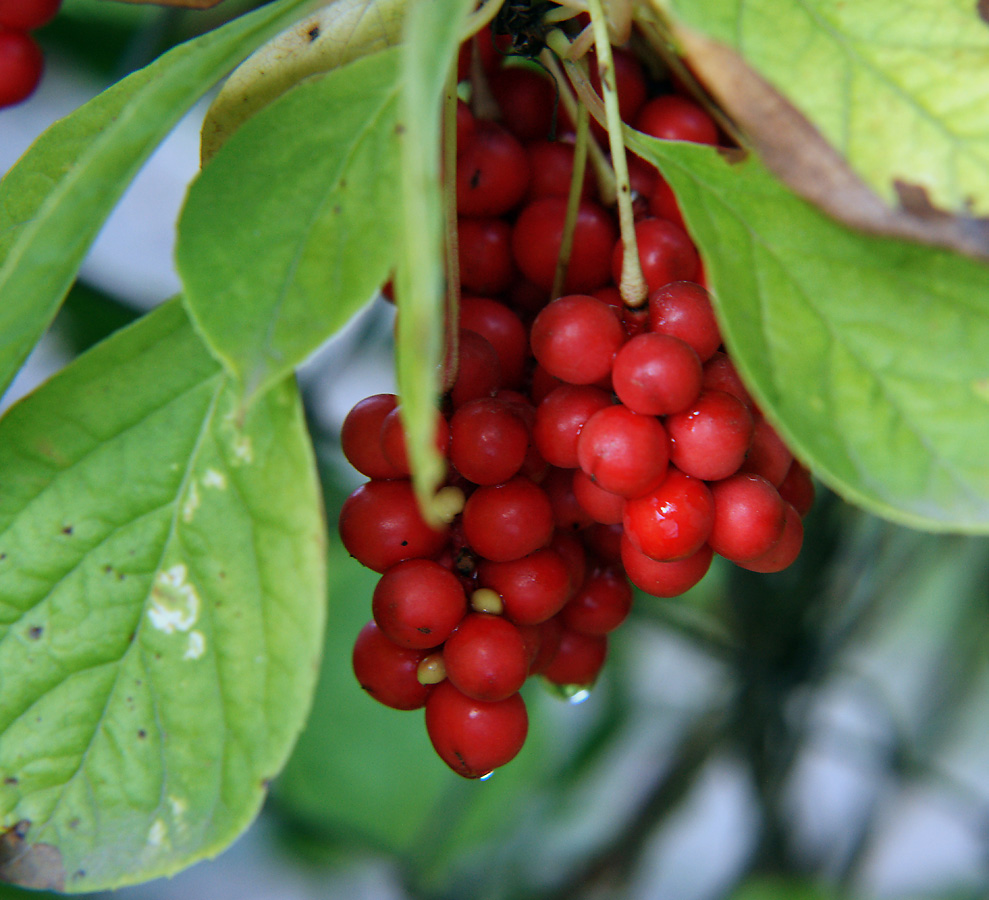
(197, 645)
(157, 832)
(215, 479)
(191, 503)
(174, 602)
(178, 806)
(243, 449)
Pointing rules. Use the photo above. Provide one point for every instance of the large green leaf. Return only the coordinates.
(162, 596)
(869, 354)
(291, 228)
(54, 200)
(898, 88)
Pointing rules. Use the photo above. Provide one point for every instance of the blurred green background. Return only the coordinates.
(813, 735)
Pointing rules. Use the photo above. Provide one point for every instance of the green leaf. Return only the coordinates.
(291, 228)
(162, 594)
(898, 89)
(54, 200)
(433, 32)
(869, 355)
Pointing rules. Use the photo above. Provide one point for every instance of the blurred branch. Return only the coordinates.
(184, 4)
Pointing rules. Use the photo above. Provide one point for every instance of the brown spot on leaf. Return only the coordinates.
(798, 154)
(67, 530)
(141, 733)
(313, 33)
(35, 632)
(11, 780)
(982, 8)
(35, 866)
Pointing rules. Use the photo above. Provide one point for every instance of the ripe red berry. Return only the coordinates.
(489, 441)
(656, 374)
(492, 172)
(786, 550)
(478, 370)
(486, 658)
(508, 521)
(601, 605)
(748, 517)
(393, 439)
(798, 488)
(532, 588)
(675, 118)
(380, 525)
(578, 659)
(666, 253)
(485, 255)
(673, 521)
(710, 439)
(27, 15)
(21, 65)
(503, 329)
(538, 234)
(683, 309)
(623, 452)
(551, 163)
(576, 338)
(768, 455)
(360, 437)
(474, 737)
(388, 672)
(417, 603)
(601, 505)
(560, 417)
(664, 579)
(526, 99)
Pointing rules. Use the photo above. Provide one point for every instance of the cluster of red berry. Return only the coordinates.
(21, 60)
(588, 444)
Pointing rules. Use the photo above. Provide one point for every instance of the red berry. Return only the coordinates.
(551, 163)
(478, 371)
(578, 659)
(393, 439)
(21, 65)
(675, 118)
(486, 658)
(485, 255)
(666, 253)
(748, 517)
(720, 374)
(27, 15)
(601, 605)
(656, 375)
(664, 579)
(601, 505)
(508, 521)
(389, 673)
(526, 99)
(474, 737)
(503, 329)
(768, 455)
(798, 488)
(710, 439)
(538, 234)
(786, 550)
(492, 173)
(360, 437)
(532, 588)
(576, 338)
(417, 603)
(683, 309)
(380, 525)
(673, 521)
(623, 452)
(489, 441)
(560, 416)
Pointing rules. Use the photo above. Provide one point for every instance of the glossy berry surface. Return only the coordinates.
(508, 521)
(474, 737)
(576, 338)
(387, 671)
(673, 521)
(486, 658)
(623, 452)
(748, 517)
(657, 374)
(417, 603)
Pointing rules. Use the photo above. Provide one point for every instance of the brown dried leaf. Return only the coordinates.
(800, 156)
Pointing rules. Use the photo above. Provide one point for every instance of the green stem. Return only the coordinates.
(633, 286)
(573, 201)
